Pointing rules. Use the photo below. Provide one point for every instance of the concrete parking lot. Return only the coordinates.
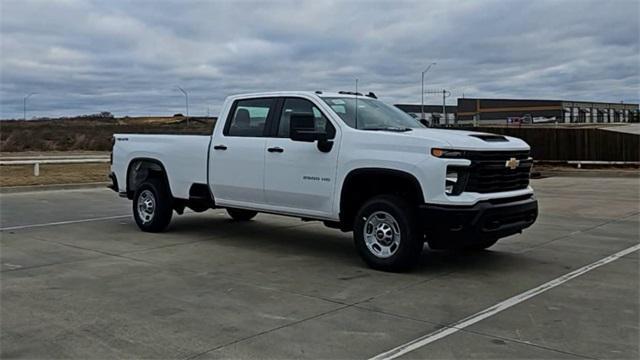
(79, 280)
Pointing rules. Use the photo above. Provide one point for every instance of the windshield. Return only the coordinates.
(371, 114)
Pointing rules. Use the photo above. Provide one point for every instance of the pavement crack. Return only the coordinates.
(475, 332)
(625, 217)
(205, 239)
(49, 264)
(267, 331)
(345, 306)
(527, 343)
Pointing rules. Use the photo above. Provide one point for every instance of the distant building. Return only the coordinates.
(432, 113)
(492, 111)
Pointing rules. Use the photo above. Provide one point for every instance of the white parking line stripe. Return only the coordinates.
(439, 334)
(62, 222)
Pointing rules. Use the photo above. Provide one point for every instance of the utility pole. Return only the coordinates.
(476, 117)
(186, 99)
(445, 94)
(24, 104)
(422, 91)
(356, 103)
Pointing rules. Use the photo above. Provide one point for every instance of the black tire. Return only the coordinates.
(241, 215)
(481, 244)
(400, 257)
(160, 217)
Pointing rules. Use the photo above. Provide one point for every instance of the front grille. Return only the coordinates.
(488, 172)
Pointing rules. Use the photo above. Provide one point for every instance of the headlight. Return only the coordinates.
(455, 181)
(446, 153)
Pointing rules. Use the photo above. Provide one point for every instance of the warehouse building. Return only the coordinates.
(501, 111)
(432, 113)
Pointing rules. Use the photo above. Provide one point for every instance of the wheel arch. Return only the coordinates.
(362, 183)
(142, 168)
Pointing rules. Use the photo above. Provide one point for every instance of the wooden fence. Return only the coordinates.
(574, 144)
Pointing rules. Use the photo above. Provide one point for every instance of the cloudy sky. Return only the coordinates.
(127, 57)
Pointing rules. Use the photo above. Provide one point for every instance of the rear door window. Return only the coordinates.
(250, 117)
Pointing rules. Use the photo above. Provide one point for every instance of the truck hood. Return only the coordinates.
(470, 140)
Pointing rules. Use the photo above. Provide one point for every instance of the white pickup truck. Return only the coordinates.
(346, 159)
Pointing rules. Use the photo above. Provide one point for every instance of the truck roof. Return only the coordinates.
(308, 93)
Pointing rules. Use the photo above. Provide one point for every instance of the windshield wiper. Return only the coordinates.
(389, 128)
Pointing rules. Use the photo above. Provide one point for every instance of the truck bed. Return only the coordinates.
(184, 158)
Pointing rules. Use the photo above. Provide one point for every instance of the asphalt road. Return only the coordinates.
(80, 281)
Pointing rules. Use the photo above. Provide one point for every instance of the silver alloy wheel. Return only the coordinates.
(146, 206)
(382, 234)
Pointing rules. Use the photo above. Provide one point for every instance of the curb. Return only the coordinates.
(52, 187)
(588, 173)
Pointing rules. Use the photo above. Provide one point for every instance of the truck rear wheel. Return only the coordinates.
(385, 234)
(152, 208)
(241, 215)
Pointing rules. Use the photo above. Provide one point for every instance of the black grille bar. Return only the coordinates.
(489, 171)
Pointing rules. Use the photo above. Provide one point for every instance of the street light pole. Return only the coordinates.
(24, 104)
(445, 94)
(422, 92)
(444, 107)
(186, 99)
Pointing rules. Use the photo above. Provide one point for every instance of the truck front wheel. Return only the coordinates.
(152, 208)
(385, 234)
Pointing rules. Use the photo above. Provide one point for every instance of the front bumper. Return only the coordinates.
(496, 218)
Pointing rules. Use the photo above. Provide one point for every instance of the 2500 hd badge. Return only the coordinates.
(316, 178)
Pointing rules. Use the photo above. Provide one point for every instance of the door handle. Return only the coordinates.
(220, 147)
(275, 149)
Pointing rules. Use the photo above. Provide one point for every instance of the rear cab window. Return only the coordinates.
(248, 117)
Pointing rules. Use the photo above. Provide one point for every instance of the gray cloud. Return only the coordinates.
(127, 57)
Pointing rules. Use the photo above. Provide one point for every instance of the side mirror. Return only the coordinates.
(424, 122)
(302, 127)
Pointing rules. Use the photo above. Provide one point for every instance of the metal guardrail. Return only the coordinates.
(37, 161)
(579, 163)
(51, 157)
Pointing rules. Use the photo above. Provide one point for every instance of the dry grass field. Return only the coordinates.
(22, 175)
(92, 134)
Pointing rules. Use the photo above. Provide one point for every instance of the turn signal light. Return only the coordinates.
(444, 153)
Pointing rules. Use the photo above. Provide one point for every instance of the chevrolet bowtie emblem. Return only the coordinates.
(512, 163)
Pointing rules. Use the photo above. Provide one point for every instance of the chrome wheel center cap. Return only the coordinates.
(384, 234)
